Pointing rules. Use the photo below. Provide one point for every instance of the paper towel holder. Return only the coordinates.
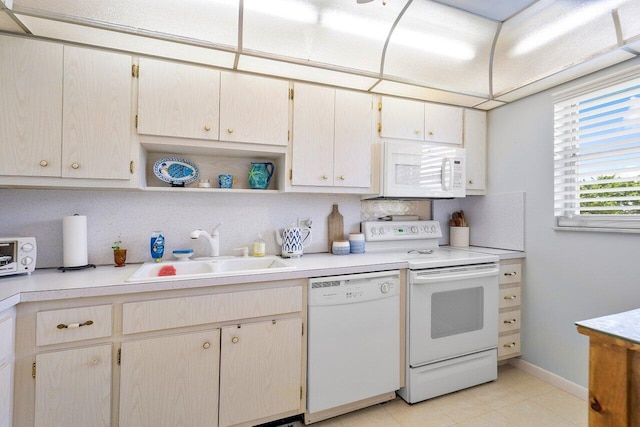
(81, 233)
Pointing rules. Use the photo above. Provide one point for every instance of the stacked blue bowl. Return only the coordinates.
(356, 243)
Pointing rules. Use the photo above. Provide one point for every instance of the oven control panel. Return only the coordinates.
(400, 230)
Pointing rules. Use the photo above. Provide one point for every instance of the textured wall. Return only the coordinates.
(134, 215)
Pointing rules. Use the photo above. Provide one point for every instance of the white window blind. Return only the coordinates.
(597, 156)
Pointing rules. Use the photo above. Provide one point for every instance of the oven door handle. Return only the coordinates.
(418, 279)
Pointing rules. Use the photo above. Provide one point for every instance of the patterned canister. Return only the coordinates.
(356, 243)
(340, 247)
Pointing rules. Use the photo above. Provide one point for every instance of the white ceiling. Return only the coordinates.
(498, 10)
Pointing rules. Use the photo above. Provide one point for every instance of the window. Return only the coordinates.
(597, 155)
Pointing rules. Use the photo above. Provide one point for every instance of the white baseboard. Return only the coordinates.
(551, 378)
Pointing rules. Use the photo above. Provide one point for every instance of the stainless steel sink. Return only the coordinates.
(177, 270)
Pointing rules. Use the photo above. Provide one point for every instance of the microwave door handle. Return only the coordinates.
(445, 176)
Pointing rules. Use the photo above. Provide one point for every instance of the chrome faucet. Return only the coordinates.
(213, 239)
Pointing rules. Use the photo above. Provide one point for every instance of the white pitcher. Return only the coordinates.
(293, 240)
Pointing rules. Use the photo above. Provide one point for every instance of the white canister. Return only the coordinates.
(356, 243)
(459, 236)
(340, 247)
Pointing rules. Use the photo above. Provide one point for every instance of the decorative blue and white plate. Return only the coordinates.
(175, 171)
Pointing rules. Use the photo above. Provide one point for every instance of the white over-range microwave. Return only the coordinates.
(422, 170)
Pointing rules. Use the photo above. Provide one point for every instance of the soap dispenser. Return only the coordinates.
(259, 247)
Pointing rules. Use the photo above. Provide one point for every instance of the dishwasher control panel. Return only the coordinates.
(353, 288)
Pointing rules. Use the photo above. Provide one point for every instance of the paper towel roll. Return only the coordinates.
(74, 240)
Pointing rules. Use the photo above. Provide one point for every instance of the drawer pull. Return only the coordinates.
(235, 340)
(206, 345)
(511, 274)
(75, 325)
(510, 345)
(510, 297)
(508, 322)
(595, 405)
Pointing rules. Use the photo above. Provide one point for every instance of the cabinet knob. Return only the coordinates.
(595, 405)
(510, 345)
(235, 340)
(44, 163)
(93, 362)
(325, 177)
(230, 130)
(509, 322)
(341, 178)
(470, 181)
(417, 131)
(430, 132)
(510, 297)
(206, 345)
(75, 165)
(207, 128)
(511, 273)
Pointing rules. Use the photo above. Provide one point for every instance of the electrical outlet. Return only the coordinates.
(304, 222)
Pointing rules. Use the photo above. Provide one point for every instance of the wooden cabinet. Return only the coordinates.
(96, 121)
(614, 369)
(254, 109)
(475, 144)
(509, 316)
(73, 387)
(402, 119)
(178, 100)
(420, 121)
(260, 370)
(31, 105)
(6, 367)
(66, 111)
(170, 380)
(443, 123)
(332, 137)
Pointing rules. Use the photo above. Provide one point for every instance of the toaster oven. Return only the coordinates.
(17, 255)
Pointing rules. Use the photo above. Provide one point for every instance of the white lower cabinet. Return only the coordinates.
(6, 391)
(260, 370)
(170, 381)
(509, 316)
(225, 357)
(73, 387)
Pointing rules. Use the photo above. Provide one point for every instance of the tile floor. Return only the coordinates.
(516, 399)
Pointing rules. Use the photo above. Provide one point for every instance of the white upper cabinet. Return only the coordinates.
(443, 123)
(402, 118)
(254, 109)
(332, 135)
(420, 121)
(178, 100)
(352, 139)
(96, 125)
(66, 111)
(31, 105)
(475, 144)
(313, 123)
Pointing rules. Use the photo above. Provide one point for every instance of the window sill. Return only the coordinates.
(598, 229)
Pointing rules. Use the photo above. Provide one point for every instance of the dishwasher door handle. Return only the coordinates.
(453, 275)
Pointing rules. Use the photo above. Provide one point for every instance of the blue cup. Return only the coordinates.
(225, 181)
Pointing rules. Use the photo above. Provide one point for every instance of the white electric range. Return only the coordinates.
(452, 308)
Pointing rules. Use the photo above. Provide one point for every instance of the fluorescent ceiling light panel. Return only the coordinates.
(435, 44)
(284, 9)
(355, 25)
(551, 32)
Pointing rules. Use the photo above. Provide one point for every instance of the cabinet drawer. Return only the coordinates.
(6, 338)
(509, 345)
(509, 297)
(73, 324)
(509, 321)
(189, 311)
(510, 273)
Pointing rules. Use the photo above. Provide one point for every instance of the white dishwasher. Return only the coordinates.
(353, 340)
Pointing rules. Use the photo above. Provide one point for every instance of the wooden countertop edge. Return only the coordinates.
(605, 338)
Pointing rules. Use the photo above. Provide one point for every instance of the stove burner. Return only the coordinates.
(420, 251)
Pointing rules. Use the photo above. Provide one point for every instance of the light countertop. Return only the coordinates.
(52, 284)
(625, 325)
